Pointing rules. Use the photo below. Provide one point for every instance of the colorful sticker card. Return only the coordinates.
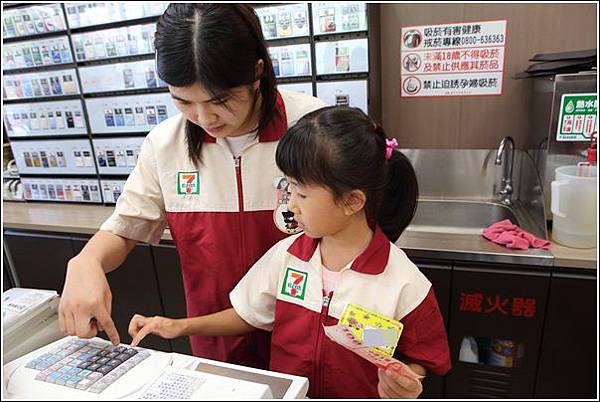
(359, 319)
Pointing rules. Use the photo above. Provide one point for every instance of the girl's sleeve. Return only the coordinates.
(253, 298)
(424, 340)
(140, 210)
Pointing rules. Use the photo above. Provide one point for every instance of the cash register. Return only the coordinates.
(29, 321)
(74, 368)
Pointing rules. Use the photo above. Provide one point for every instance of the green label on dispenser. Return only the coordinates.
(578, 118)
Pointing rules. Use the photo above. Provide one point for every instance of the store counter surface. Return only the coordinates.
(63, 218)
(86, 219)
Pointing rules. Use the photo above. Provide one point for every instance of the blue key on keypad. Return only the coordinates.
(64, 369)
(62, 380)
(43, 365)
(33, 363)
(53, 377)
(72, 382)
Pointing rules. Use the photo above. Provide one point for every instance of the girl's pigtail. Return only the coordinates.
(400, 195)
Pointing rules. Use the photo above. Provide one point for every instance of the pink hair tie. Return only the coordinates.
(390, 146)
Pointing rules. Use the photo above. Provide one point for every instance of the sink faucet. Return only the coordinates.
(507, 187)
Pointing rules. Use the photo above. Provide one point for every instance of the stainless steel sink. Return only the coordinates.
(464, 217)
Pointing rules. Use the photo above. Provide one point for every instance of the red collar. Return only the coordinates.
(274, 130)
(372, 261)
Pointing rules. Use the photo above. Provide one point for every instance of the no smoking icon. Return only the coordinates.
(411, 62)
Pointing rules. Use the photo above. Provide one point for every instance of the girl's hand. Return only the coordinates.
(394, 385)
(164, 327)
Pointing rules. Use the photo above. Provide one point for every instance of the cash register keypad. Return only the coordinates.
(86, 365)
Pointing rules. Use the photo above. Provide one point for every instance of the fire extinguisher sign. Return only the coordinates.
(577, 119)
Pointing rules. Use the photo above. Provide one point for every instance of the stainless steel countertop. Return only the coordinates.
(469, 247)
(86, 219)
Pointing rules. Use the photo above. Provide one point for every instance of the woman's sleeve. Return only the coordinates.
(140, 210)
(424, 340)
(253, 298)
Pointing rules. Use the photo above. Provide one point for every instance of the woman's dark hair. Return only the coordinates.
(218, 46)
(342, 149)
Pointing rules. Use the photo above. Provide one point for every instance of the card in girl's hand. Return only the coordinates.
(343, 336)
(367, 325)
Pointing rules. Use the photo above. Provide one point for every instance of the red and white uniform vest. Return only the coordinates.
(220, 215)
(283, 293)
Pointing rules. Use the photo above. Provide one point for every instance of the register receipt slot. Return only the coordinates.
(74, 368)
(29, 321)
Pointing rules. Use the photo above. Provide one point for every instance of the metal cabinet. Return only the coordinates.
(497, 315)
(134, 290)
(170, 284)
(567, 365)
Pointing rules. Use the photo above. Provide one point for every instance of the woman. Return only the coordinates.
(207, 172)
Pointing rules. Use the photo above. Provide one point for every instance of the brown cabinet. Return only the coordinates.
(496, 321)
(170, 284)
(39, 259)
(567, 365)
(439, 274)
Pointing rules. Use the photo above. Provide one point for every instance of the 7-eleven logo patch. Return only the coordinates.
(294, 283)
(188, 183)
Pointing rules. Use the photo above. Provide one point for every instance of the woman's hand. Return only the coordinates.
(164, 327)
(85, 303)
(394, 385)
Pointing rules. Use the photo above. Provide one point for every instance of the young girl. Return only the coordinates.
(353, 195)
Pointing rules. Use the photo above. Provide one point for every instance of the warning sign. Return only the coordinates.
(461, 59)
(577, 119)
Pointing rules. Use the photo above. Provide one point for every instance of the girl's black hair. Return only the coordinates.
(342, 149)
(218, 46)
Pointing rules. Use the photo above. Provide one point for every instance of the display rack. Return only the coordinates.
(328, 50)
(80, 89)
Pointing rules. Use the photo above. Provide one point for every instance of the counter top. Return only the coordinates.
(86, 219)
(470, 248)
(574, 257)
(62, 218)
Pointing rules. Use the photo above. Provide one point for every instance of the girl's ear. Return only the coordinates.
(354, 201)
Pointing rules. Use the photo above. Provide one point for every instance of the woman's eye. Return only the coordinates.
(183, 103)
(219, 101)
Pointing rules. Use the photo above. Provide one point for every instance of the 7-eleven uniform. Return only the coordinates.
(220, 214)
(283, 293)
